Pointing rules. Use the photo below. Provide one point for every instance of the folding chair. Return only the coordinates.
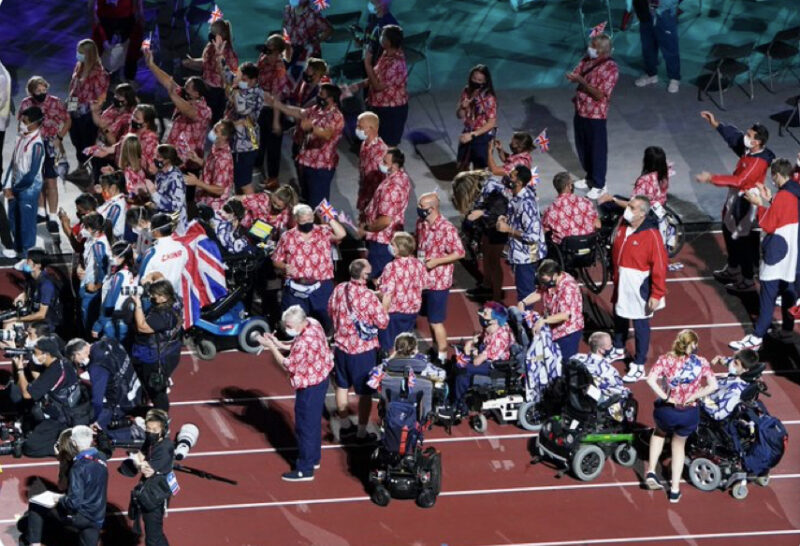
(794, 114)
(415, 48)
(783, 48)
(727, 63)
(341, 23)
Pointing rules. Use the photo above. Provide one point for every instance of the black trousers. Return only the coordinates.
(83, 133)
(742, 251)
(159, 398)
(40, 441)
(215, 98)
(154, 528)
(270, 145)
(88, 534)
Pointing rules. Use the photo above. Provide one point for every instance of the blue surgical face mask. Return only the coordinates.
(27, 268)
(294, 3)
(360, 132)
(383, 168)
(243, 85)
(212, 136)
(291, 332)
(371, 8)
(80, 57)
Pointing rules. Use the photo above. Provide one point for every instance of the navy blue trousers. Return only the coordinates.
(770, 290)
(308, 406)
(591, 143)
(641, 336)
(315, 305)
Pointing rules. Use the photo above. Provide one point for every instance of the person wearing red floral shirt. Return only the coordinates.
(55, 126)
(274, 207)
(143, 125)
(401, 285)
(112, 123)
(596, 76)
(216, 185)
(308, 365)
(302, 95)
(386, 210)
(521, 147)
(318, 158)
(273, 81)
(653, 182)
(370, 157)
(89, 84)
(439, 247)
(679, 379)
(478, 108)
(303, 256)
(491, 345)
(219, 38)
(355, 309)
(388, 85)
(563, 307)
(306, 29)
(569, 214)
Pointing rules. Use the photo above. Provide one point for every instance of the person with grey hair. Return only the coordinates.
(303, 257)
(596, 76)
(605, 377)
(357, 315)
(308, 365)
(640, 274)
(83, 507)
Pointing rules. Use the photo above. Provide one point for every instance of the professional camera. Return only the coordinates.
(20, 309)
(186, 440)
(11, 446)
(18, 351)
(16, 333)
(133, 291)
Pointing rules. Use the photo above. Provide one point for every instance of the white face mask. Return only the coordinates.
(29, 343)
(35, 359)
(628, 215)
(592, 52)
(748, 142)
(383, 168)
(360, 132)
(84, 362)
(291, 332)
(85, 233)
(392, 250)
(732, 367)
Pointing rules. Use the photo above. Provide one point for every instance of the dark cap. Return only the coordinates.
(49, 345)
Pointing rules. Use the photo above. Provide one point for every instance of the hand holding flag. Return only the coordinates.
(326, 211)
(542, 141)
(534, 176)
(216, 15)
(320, 5)
(146, 42)
(462, 360)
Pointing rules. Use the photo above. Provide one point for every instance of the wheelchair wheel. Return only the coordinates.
(528, 417)
(434, 459)
(426, 498)
(380, 495)
(676, 234)
(705, 474)
(205, 349)
(254, 328)
(625, 455)
(763, 481)
(596, 277)
(588, 461)
(479, 423)
(739, 491)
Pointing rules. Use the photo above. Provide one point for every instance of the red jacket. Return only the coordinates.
(751, 169)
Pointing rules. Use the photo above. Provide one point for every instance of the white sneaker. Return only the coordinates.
(19, 265)
(644, 81)
(747, 342)
(9, 253)
(673, 86)
(581, 184)
(635, 373)
(595, 193)
(616, 354)
(84, 376)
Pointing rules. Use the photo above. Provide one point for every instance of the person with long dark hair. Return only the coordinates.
(478, 108)
(653, 182)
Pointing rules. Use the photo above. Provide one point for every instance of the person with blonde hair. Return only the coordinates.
(132, 165)
(679, 378)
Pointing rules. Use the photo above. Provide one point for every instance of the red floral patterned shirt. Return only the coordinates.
(272, 77)
(564, 298)
(310, 360)
(304, 29)
(370, 156)
(211, 73)
(482, 108)
(148, 140)
(390, 199)
(134, 181)
(649, 185)
(392, 72)
(354, 297)
(90, 88)
(310, 259)
(682, 375)
(217, 171)
(316, 152)
(54, 110)
(257, 206)
(569, 215)
(190, 133)
(599, 73)
(404, 279)
(496, 345)
(514, 160)
(117, 120)
(436, 241)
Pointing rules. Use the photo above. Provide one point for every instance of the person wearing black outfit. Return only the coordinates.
(56, 394)
(84, 505)
(42, 291)
(156, 346)
(155, 462)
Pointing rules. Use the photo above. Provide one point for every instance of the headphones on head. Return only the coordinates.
(161, 416)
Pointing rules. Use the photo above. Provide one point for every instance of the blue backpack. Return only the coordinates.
(402, 431)
(769, 444)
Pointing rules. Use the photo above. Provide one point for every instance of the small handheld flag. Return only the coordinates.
(598, 30)
(376, 377)
(412, 379)
(531, 317)
(461, 359)
(146, 42)
(216, 14)
(542, 141)
(320, 5)
(534, 176)
(326, 210)
(286, 37)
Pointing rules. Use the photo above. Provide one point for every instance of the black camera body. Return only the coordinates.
(132, 291)
(20, 310)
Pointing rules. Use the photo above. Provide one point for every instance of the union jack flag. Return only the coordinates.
(462, 360)
(326, 210)
(534, 176)
(216, 14)
(286, 37)
(376, 377)
(411, 380)
(204, 277)
(531, 317)
(146, 42)
(598, 30)
(542, 141)
(320, 5)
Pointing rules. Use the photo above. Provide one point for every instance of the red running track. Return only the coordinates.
(487, 479)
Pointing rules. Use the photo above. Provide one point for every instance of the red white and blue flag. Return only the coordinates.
(203, 280)
(326, 211)
(146, 42)
(531, 317)
(598, 30)
(286, 37)
(462, 360)
(216, 14)
(376, 377)
(542, 141)
(534, 176)
(411, 381)
(320, 5)
(172, 481)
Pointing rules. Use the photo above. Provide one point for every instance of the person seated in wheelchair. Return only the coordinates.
(230, 233)
(744, 368)
(492, 344)
(606, 380)
(570, 214)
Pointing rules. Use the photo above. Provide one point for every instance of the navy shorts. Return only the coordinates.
(434, 305)
(49, 167)
(243, 163)
(672, 420)
(353, 370)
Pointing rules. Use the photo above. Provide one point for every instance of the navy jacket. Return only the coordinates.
(88, 482)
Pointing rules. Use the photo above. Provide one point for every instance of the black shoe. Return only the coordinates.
(349, 431)
(783, 336)
(368, 438)
(652, 482)
(744, 285)
(52, 226)
(674, 496)
(479, 291)
(726, 275)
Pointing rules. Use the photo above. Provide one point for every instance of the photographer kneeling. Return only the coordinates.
(56, 394)
(156, 346)
(41, 298)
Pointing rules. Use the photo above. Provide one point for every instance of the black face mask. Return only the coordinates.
(307, 77)
(549, 284)
(305, 228)
(135, 125)
(276, 210)
(322, 102)
(483, 321)
(40, 97)
(508, 183)
(475, 85)
(152, 437)
(423, 213)
(117, 103)
(185, 94)
(211, 37)
(159, 164)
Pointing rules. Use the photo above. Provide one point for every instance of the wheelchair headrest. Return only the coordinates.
(576, 374)
(752, 374)
(580, 241)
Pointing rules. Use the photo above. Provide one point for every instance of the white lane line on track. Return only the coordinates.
(462, 493)
(700, 536)
(266, 450)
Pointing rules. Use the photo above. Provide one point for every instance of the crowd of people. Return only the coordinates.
(149, 203)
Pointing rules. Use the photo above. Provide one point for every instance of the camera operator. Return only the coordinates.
(55, 392)
(84, 505)
(156, 346)
(116, 389)
(154, 462)
(41, 298)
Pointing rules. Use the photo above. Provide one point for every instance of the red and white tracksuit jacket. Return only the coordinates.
(640, 269)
